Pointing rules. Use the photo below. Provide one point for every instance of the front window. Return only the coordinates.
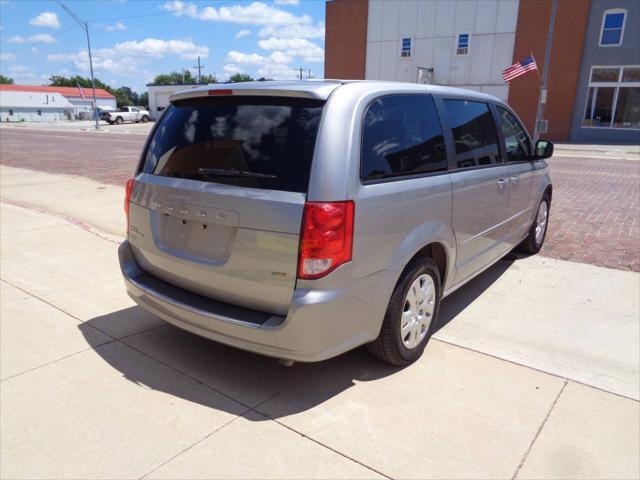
(255, 142)
(474, 133)
(463, 44)
(613, 98)
(612, 28)
(515, 138)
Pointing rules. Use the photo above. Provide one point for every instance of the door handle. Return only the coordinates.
(501, 182)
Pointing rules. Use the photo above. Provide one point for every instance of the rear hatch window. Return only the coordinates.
(255, 142)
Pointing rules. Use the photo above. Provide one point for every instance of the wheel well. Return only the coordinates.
(437, 253)
(548, 192)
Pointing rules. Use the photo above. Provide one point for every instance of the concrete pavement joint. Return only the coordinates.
(535, 369)
(56, 361)
(535, 437)
(193, 445)
(317, 442)
(73, 221)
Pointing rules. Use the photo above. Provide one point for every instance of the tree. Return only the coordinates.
(61, 81)
(143, 101)
(6, 80)
(208, 79)
(174, 78)
(240, 77)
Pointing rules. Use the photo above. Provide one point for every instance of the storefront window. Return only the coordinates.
(613, 98)
(628, 108)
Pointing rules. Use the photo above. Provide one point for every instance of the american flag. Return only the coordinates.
(81, 91)
(519, 68)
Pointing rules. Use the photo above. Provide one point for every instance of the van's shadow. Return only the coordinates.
(249, 379)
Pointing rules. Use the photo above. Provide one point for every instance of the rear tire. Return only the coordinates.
(145, 119)
(538, 231)
(411, 316)
(119, 121)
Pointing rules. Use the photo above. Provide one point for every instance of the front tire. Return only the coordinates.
(538, 231)
(411, 315)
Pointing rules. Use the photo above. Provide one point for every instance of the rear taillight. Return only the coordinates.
(127, 196)
(327, 238)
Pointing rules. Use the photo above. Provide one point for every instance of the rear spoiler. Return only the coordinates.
(315, 94)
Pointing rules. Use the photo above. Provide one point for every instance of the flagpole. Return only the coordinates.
(545, 72)
(537, 69)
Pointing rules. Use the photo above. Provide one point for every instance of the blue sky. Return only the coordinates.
(134, 40)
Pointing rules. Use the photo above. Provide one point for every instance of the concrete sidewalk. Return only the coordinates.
(534, 374)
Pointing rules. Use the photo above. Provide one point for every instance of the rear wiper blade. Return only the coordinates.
(221, 172)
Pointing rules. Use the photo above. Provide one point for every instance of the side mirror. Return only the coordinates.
(544, 149)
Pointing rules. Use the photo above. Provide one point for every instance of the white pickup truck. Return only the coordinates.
(127, 114)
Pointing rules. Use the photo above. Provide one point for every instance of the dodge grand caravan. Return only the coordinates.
(300, 220)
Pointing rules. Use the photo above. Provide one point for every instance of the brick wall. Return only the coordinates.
(346, 39)
(566, 57)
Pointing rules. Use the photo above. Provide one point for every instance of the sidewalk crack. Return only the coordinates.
(535, 437)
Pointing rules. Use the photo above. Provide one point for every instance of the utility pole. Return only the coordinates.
(85, 27)
(300, 73)
(199, 67)
(542, 96)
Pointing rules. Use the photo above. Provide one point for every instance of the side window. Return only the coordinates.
(516, 140)
(474, 133)
(402, 136)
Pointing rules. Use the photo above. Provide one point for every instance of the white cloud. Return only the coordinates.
(35, 50)
(256, 13)
(243, 33)
(231, 69)
(127, 58)
(294, 47)
(153, 47)
(46, 19)
(39, 38)
(272, 66)
(111, 28)
(287, 2)
(7, 56)
(294, 31)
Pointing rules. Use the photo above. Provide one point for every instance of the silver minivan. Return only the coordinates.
(302, 219)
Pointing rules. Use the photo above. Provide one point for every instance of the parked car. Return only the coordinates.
(127, 114)
(300, 220)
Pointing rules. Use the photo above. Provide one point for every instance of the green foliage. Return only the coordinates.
(240, 77)
(60, 81)
(6, 80)
(174, 78)
(143, 101)
(182, 78)
(124, 95)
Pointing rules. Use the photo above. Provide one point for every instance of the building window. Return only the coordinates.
(406, 47)
(612, 28)
(613, 98)
(10, 112)
(39, 112)
(463, 44)
(160, 109)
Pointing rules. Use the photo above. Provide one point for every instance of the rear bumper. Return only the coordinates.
(320, 324)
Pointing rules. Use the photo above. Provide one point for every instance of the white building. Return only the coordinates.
(34, 107)
(463, 44)
(81, 99)
(159, 97)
